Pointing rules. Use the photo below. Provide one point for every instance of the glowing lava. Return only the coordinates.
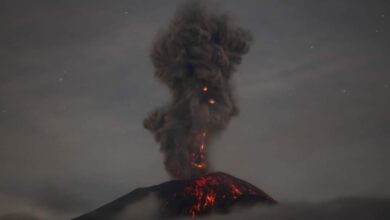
(199, 156)
(213, 192)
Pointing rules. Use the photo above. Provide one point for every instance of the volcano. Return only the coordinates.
(195, 57)
(211, 193)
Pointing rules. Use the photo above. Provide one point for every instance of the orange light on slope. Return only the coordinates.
(210, 199)
(235, 190)
(205, 89)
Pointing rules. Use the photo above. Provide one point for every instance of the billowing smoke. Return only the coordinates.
(195, 57)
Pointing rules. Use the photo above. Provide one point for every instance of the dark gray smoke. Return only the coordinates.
(195, 57)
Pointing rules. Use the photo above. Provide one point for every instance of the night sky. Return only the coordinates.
(76, 83)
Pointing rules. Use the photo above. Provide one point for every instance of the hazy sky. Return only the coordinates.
(76, 82)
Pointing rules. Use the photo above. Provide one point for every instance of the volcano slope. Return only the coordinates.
(212, 193)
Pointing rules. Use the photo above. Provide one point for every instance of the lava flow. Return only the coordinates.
(214, 192)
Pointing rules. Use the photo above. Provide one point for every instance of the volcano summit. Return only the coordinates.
(211, 193)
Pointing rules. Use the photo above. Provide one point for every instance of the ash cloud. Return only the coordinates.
(195, 57)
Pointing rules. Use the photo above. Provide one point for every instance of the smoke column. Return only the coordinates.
(195, 57)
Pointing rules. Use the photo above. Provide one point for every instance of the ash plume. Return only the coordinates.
(195, 57)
